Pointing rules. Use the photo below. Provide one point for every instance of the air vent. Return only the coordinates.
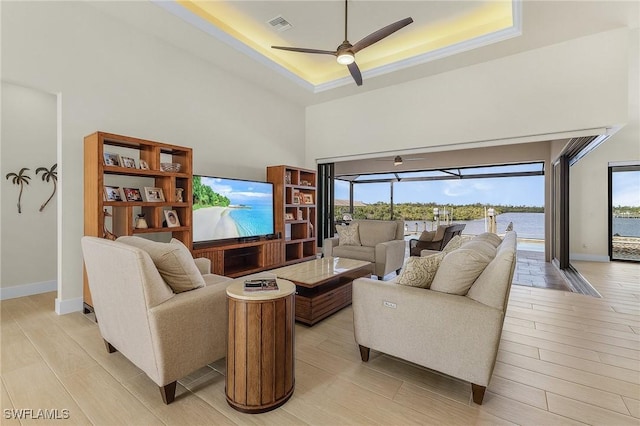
(279, 23)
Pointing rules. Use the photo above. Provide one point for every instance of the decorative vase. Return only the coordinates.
(141, 222)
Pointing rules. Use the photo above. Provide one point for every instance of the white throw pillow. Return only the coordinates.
(458, 270)
(483, 247)
(419, 271)
(489, 237)
(349, 235)
(454, 243)
(173, 261)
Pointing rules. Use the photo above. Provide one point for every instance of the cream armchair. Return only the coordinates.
(380, 242)
(167, 335)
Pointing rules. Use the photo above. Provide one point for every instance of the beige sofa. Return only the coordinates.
(166, 334)
(381, 242)
(454, 334)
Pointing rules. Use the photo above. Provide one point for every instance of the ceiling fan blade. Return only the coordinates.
(355, 73)
(380, 34)
(304, 50)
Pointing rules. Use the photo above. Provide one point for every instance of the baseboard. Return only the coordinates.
(588, 257)
(28, 289)
(64, 307)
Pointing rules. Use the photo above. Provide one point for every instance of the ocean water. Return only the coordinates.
(527, 225)
(626, 227)
(256, 220)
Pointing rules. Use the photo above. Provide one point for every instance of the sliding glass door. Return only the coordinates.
(624, 212)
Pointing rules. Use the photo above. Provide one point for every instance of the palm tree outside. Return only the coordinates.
(19, 179)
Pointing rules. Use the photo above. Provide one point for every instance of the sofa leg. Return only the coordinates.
(364, 353)
(379, 277)
(168, 392)
(109, 347)
(478, 393)
(398, 271)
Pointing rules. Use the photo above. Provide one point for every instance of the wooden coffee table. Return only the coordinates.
(323, 286)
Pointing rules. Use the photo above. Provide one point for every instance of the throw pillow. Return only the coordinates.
(453, 244)
(482, 247)
(419, 271)
(349, 235)
(458, 270)
(427, 236)
(489, 237)
(173, 261)
(440, 232)
(509, 227)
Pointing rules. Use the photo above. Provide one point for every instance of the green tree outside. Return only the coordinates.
(424, 211)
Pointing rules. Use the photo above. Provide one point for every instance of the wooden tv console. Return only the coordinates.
(242, 258)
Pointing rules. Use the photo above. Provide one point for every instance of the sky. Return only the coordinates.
(626, 189)
(517, 191)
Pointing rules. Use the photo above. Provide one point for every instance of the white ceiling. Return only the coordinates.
(543, 23)
(440, 28)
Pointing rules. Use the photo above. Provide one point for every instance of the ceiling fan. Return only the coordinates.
(398, 160)
(345, 53)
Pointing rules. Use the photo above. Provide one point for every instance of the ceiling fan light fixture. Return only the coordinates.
(397, 161)
(346, 58)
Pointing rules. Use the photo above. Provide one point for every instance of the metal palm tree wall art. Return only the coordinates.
(21, 179)
(49, 175)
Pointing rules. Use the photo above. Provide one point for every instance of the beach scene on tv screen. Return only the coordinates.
(227, 208)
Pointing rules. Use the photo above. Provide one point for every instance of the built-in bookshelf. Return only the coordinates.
(115, 162)
(295, 211)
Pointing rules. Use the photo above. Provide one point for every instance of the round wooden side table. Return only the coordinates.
(260, 357)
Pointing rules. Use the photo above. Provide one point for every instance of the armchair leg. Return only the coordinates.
(109, 347)
(168, 392)
(478, 393)
(379, 277)
(364, 353)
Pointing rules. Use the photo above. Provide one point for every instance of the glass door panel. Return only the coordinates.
(624, 213)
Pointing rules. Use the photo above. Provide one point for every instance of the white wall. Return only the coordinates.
(569, 86)
(29, 239)
(116, 79)
(588, 191)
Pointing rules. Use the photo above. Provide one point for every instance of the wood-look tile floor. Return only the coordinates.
(564, 358)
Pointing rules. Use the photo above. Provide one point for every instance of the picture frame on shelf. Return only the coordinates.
(299, 214)
(289, 216)
(153, 195)
(111, 159)
(127, 162)
(112, 193)
(132, 194)
(296, 199)
(287, 177)
(307, 198)
(144, 165)
(172, 219)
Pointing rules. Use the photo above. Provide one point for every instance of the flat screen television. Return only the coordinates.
(225, 209)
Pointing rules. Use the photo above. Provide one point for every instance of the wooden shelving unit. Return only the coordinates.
(123, 213)
(295, 211)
